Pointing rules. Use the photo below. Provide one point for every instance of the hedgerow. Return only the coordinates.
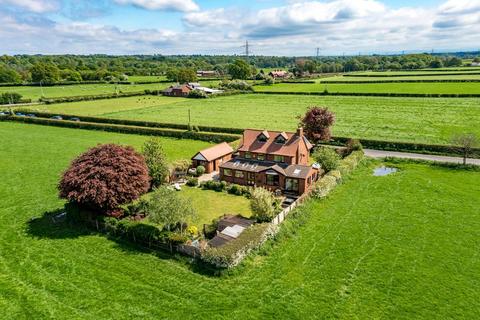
(233, 252)
(166, 132)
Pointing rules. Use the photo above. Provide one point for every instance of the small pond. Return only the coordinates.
(384, 171)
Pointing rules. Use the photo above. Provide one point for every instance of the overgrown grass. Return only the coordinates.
(424, 120)
(400, 246)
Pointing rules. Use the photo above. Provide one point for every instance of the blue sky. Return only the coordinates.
(288, 27)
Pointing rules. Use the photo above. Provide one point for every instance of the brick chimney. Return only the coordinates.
(300, 132)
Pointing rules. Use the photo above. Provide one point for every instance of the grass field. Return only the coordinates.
(105, 106)
(402, 246)
(35, 93)
(417, 72)
(432, 120)
(415, 88)
(146, 78)
(210, 204)
(393, 78)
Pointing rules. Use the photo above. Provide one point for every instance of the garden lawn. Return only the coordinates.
(403, 246)
(210, 204)
(413, 88)
(426, 120)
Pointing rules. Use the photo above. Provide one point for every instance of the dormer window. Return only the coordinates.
(281, 138)
(263, 136)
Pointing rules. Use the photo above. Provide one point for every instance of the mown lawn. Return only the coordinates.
(424, 120)
(210, 204)
(402, 246)
(414, 88)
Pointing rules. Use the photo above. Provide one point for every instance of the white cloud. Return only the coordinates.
(296, 28)
(174, 5)
(37, 6)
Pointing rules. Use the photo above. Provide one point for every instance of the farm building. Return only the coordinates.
(206, 73)
(277, 161)
(211, 158)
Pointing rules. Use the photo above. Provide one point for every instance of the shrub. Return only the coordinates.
(327, 157)
(262, 203)
(233, 252)
(236, 85)
(10, 98)
(348, 164)
(104, 178)
(156, 161)
(192, 182)
(197, 94)
(269, 80)
(165, 207)
(214, 185)
(200, 170)
(324, 186)
(352, 145)
(192, 231)
(135, 208)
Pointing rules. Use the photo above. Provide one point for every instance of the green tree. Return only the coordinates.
(45, 72)
(8, 75)
(240, 70)
(168, 209)
(181, 75)
(156, 161)
(465, 143)
(262, 204)
(71, 75)
(327, 157)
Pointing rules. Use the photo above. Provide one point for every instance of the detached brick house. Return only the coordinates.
(274, 160)
(279, 74)
(178, 90)
(211, 158)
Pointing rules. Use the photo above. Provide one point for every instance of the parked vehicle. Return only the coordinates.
(56, 118)
(31, 115)
(19, 114)
(75, 119)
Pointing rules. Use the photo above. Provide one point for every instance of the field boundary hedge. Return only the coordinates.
(375, 94)
(166, 132)
(400, 81)
(92, 97)
(235, 133)
(412, 74)
(138, 123)
(407, 147)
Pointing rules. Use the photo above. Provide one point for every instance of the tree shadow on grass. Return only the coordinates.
(54, 225)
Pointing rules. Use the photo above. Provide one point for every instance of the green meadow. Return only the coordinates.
(413, 88)
(426, 120)
(400, 246)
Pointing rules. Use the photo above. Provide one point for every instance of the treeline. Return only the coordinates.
(58, 68)
(373, 63)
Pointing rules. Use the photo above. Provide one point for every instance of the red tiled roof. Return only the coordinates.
(250, 142)
(215, 152)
